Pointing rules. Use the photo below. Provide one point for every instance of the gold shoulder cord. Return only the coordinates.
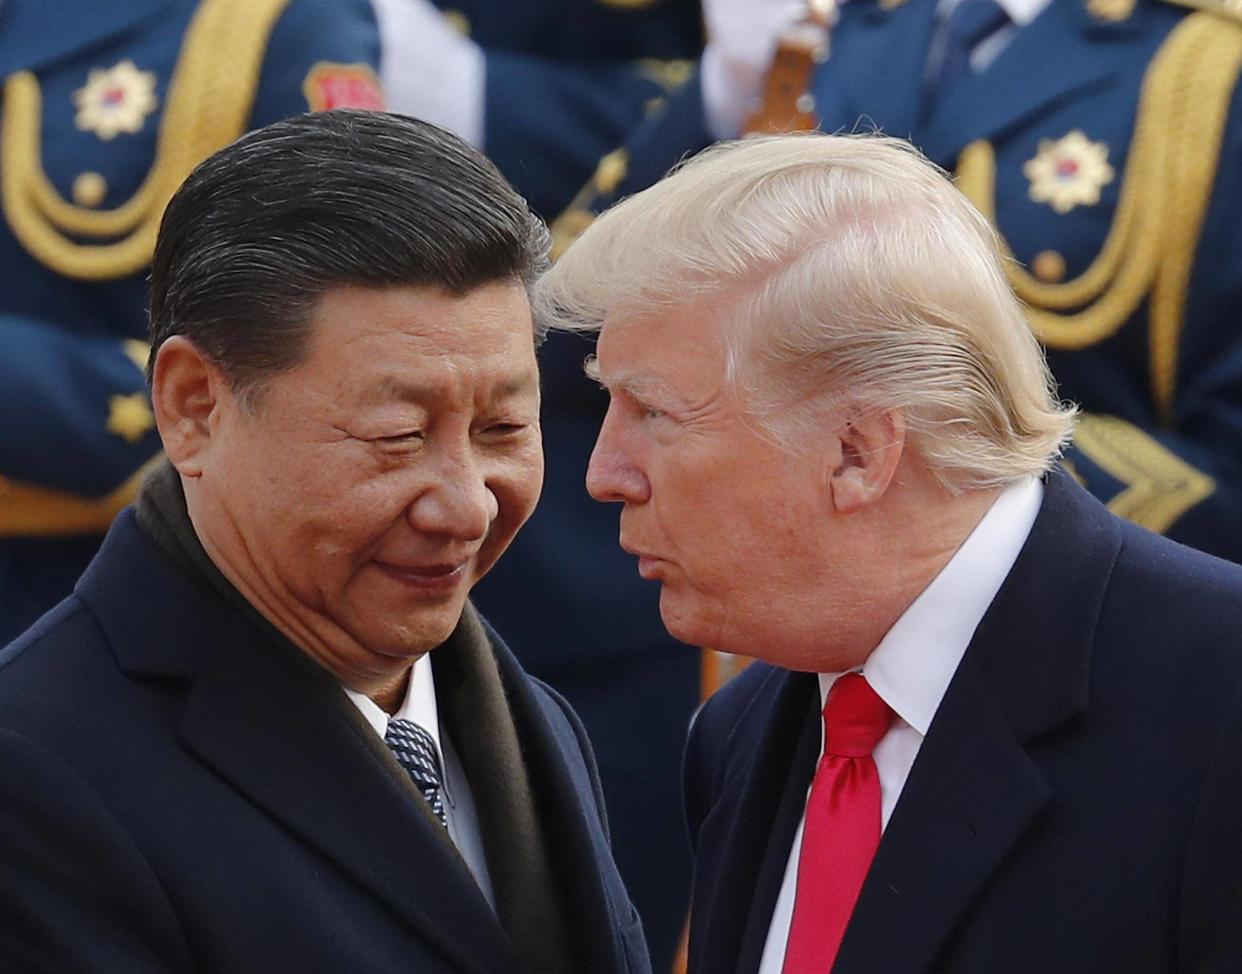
(207, 105)
(1150, 248)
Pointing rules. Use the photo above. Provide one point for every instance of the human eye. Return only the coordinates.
(505, 429)
(411, 437)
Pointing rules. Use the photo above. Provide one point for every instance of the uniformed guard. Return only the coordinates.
(106, 108)
(545, 87)
(1104, 139)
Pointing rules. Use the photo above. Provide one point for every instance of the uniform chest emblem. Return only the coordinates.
(1069, 172)
(115, 100)
(328, 85)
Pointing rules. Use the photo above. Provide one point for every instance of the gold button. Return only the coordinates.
(1049, 266)
(89, 189)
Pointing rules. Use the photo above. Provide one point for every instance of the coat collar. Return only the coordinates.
(34, 33)
(281, 731)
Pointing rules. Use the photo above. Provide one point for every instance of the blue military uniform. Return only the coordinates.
(566, 82)
(106, 108)
(1105, 141)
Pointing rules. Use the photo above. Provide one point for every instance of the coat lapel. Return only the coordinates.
(281, 732)
(763, 793)
(1028, 79)
(874, 73)
(976, 788)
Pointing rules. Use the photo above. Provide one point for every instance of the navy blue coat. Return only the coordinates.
(177, 795)
(1162, 440)
(76, 424)
(1074, 806)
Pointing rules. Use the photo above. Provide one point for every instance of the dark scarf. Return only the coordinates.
(470, 695)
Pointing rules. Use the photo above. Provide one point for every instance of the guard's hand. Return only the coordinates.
(741, 40)
(429, 68)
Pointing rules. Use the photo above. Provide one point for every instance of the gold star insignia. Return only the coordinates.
(130, 417)
(115, 100)
(1068, 172)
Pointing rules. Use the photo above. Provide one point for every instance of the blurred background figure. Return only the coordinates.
(107, 107)
(550, 90)
(1104, 139)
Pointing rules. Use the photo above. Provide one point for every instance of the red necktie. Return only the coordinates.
(842, 829)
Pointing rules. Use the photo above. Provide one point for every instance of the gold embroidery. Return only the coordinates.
(1150, 247)
(1110, 11)
(207, 105)
(1160, 486)
(29, 511)
(610, 171)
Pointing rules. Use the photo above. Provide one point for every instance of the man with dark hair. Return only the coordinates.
(231, 748)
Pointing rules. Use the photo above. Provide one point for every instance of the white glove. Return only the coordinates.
(429, 70)
(741, 40)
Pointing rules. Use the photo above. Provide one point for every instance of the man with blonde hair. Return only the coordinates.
(993, 727)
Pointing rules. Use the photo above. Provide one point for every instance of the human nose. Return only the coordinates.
(612, 474)
(457, 502)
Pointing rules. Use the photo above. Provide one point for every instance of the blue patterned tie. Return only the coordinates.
(968, 24)
(415, 750)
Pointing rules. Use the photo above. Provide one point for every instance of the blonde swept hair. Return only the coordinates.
(845, 270)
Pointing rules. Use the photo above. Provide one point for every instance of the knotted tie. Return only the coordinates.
(842, 826)
(969, 23)
(416, 752)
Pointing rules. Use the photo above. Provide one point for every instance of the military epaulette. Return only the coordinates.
(1230, 9)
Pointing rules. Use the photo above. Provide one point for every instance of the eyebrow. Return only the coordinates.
(647, 389)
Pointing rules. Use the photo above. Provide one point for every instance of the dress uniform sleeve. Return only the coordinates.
(88, 391)
(676, 129)
(322, 54)
(547, 124)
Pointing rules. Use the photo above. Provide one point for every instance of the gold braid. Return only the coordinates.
(1168, 180)
(208, 104)
(1197, 130)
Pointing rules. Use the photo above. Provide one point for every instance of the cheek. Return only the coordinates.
(516, 485)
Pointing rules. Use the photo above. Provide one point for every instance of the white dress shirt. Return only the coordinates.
(1021, 13)
(459, 811)
(911, 667)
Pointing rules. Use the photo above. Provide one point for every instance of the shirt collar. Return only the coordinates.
(911, 667)
(1021, 12)
(419, 704)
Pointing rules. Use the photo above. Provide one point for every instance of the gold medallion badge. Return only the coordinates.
(1068, 172)
(115, 100)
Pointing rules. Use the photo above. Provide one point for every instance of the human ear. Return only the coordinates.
(871, 447)
(186, 387)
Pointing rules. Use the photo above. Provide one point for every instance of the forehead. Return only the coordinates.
(671, 341)
(361, 336)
